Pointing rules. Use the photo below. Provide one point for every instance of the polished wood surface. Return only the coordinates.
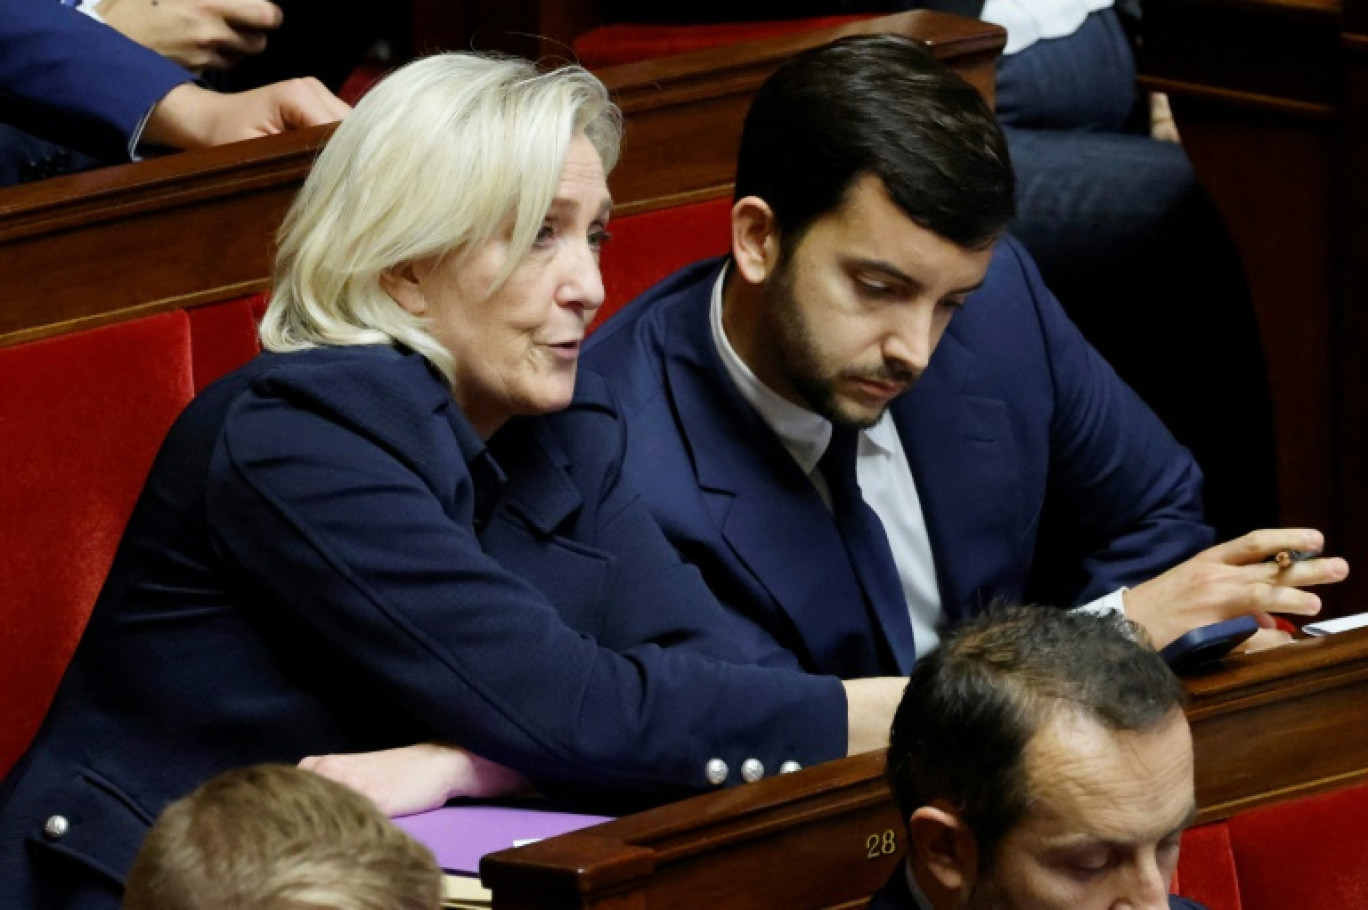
(199, 227)
(1269, 97)
(1266, 727)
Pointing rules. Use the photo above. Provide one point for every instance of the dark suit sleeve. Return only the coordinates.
(74, 81)
(1123, 499)
(368, 561)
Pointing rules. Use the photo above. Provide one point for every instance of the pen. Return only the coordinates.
(1285, 558)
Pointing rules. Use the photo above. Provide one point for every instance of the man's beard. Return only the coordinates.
(798, 354)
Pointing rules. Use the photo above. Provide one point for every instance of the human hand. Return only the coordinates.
(197, 34)
(1162, 125)
(1232, 579)
(870, 704)
(417, 778)
(191, 117)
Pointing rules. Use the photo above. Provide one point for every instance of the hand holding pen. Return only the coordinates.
(1262, 573)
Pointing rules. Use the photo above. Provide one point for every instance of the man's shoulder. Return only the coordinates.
(896, 895)
(666, 323)
(637, 323)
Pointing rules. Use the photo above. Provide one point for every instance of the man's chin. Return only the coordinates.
(854, 416)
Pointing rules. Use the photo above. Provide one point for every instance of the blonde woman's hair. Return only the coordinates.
(441, 156)
(277, 837)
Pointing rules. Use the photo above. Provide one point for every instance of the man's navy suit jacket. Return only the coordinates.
(896, 895)
(1042, 476)
(71, 80)
(321, 562)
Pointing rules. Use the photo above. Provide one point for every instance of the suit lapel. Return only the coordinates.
(769, 513)
(539, 485)
(963, 458)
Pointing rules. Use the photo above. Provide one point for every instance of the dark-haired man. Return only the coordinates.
(1042, 760)
(872, 190)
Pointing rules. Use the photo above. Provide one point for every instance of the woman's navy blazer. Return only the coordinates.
(327, 558)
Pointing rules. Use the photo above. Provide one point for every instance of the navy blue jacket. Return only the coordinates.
(325, 559)
(71, 80)
(1042, 476)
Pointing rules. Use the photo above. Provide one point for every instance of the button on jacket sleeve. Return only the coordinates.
(346, 502)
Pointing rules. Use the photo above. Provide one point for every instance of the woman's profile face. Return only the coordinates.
(516, 348)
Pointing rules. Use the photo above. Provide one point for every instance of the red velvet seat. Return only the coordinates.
(646, 248)
(81, 417)
(1302, 854)
(224, 336)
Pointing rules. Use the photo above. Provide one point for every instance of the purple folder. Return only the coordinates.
(459, 835)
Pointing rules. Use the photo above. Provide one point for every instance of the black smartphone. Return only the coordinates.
(1206, 644)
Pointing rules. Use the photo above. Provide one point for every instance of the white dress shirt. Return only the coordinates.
(881, 469)
(885, 479)
(1029, 21)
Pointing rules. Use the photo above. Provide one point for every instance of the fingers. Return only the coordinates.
(251, 15)
(1324, 570)
(1263, 640)
(246, 23)
(1264, 544)
(1272, 598)
(306, 102)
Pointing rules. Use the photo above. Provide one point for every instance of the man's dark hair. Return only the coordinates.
(876, 105)
(972, 706)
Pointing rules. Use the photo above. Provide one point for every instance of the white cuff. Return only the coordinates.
(1110, 603)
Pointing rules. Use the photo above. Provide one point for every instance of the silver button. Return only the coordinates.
(56, 827)
(716, 771)
(789, 767)
(752, 770)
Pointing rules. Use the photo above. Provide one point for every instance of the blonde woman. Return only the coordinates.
(380, 532)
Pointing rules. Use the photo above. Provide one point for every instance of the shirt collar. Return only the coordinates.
(804, 433)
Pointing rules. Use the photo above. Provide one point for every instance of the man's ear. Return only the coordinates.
(942, 851)
(403, 283)
(755, 239)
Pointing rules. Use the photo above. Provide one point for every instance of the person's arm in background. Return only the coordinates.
(192, 117)
(197, 34)
(71, 80)
(1128, 498)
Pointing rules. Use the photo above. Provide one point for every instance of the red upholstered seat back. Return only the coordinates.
(646, 248)
(610, 45)
(81, 417)
(1206, 868)
(1309, 853)
(224, 336)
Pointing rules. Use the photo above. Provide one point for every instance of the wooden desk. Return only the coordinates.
(1271, 99)
(1266, 727)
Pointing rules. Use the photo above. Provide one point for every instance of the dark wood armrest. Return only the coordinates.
(1267, 727)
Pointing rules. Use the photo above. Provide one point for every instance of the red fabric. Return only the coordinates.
(1309, 853)
(610, 45)
(360, 81)
(646, 248)
(1206, 868)
(81, 417)
(223, 337)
